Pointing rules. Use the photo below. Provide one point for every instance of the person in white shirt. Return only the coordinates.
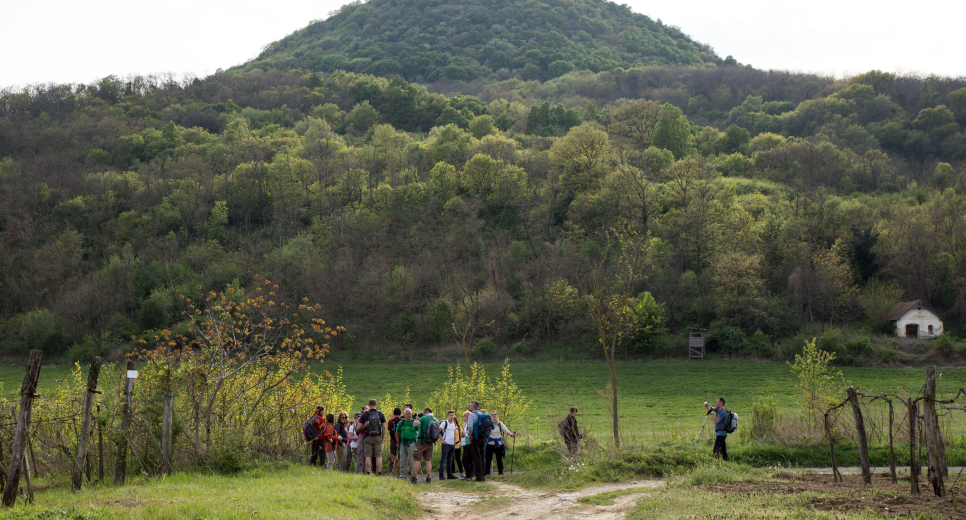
(494, 444)
(353, 444)
(449, 437)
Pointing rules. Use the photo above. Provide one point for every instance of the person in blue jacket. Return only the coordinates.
(720, 419)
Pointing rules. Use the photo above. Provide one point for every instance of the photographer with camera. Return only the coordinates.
(720, 419)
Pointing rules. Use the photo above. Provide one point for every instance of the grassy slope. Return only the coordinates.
(293, 492)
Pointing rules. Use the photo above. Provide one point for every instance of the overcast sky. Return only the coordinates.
(79, 42)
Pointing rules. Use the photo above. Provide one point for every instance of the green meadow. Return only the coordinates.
(657, 400)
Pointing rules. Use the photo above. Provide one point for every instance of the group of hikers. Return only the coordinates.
(467, 446)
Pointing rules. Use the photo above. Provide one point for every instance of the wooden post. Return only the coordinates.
(836, 476)
(29, 498)
(913, 452)
(892, 451)
(860, 431)
(77, 477)
(100, 448)
(934, 450)
(28, 390)
(120, 469)
(166, 420)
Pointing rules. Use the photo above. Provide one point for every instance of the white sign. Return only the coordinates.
(132, 374)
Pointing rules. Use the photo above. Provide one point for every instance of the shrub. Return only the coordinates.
(830, 341)
(944, 344)
(887, 353)
(230, 457)
(758, 345)
(725, 338)
(764, 418)
(485, 347)
(859, 346)
(91, 347)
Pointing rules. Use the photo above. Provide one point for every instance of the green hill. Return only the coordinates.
(430, 40)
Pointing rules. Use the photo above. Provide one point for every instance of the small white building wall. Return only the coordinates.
(924, 319)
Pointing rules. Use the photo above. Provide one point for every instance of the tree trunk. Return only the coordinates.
(166, 423)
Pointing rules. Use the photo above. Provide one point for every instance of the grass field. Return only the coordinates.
(658, 400)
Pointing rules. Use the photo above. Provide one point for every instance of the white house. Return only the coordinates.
(913, 320)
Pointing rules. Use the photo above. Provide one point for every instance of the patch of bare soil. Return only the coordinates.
(517, 503)
(881, 497)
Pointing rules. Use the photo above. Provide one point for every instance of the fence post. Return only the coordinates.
(27, 393)
(934, 442)
(100, 448)
(120, 469)
(892, 451)
(913, 411)
(836, 476)
(863, 441)
(166, 420)
(77, 477)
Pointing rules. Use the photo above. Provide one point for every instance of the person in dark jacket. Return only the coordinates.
(571, 433)
(318, 443)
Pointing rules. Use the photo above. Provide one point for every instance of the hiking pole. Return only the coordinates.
(702, 429)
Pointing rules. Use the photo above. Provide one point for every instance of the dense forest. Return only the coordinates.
(772, 201)
(428, 40)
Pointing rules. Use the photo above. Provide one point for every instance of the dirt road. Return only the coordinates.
(510, 501)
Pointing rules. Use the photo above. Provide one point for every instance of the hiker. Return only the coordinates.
(465, 458)
(318, 443)
(353, 453)
(393, 443)
(495, 445)
(477, 435)
(331, 441)
(343, 432)
(374, 423)
(424, 443)
(571, 434)
(720, 419)
(406, 430)
(449, 438)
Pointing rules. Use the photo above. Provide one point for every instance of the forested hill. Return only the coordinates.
(429, 40)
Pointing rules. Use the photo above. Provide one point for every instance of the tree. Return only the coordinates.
(362, 117)
(581, 156)
(673, 132)
(481, 126)
(608, 287)
(816, 383)
(634, 122)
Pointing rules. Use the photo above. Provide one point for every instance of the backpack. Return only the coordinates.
(562, 427)
(309, 430)
(732, 423)
(432, 433)
(483, 426)
(373, 426)
(407, 432)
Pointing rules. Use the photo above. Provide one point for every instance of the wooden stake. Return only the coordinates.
(77, 478)
(120, 469)
(892, 451)
(100, 448)
(934, 449)
(863, 441)
(27, 393)
(166, 420)
(836, 476)
(913, 452)
(29, 498)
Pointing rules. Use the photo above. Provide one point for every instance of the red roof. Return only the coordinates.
(901, 308)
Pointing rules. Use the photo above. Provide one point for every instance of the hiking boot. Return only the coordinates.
(429, 480)
(412, 479)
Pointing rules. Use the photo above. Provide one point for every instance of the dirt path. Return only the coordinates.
(511, 501)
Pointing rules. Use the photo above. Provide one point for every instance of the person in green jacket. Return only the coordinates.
(406, 432)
